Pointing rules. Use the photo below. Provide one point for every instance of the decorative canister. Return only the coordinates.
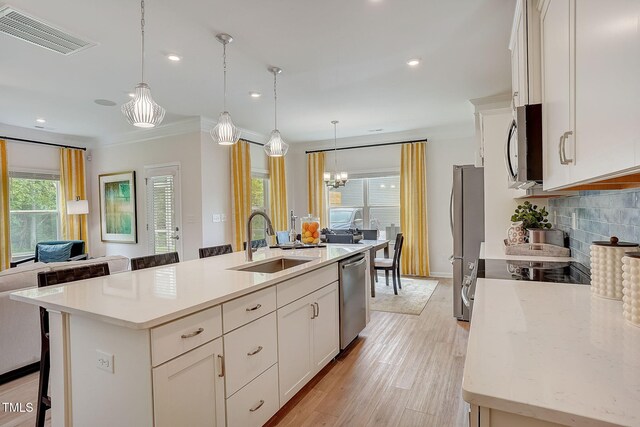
(606, 267)
(310, 234)
(631, 287)
(516, 233)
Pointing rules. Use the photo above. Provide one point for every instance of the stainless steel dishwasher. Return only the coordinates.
(353, 315)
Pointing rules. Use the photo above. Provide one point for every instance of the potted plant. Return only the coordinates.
(531, 217)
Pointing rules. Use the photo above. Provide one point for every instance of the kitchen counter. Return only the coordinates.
(146, 298)
(525, 257)
(552, 352)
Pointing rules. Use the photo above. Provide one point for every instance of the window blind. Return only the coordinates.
(161, 213)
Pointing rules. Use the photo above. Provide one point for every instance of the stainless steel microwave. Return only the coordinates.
(523, 149)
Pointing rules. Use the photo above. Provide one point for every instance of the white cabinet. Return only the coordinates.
(308, 338)
(591, 60)
(558, 91)
(525, 54)
(480, 416)
(607, 87)
(254, 404)
(326, 326)
(189, 390)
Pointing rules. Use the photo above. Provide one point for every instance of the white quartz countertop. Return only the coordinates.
(147, 298)
(524, 257)
(553, 352)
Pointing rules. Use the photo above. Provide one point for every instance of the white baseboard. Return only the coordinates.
(447, 275)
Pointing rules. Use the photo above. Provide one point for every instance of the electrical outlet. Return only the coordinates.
(104, 361)
(216, 218)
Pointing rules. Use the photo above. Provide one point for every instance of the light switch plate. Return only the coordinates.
(574, 221)
(224, 217)
(104, 361)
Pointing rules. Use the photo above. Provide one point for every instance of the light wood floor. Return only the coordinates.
(403, 371)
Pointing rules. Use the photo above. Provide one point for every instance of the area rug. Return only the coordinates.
(411, 299)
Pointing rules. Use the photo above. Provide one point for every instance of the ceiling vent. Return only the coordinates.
(33, 30)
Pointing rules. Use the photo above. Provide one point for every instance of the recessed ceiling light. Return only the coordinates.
(132, 95)
(413, 62)
(255, 94)
(41, 121)
(173, 57)
(376, 130)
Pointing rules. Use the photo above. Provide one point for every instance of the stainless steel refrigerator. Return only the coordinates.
(467, 228)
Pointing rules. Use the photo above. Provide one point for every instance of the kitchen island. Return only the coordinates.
(216, 341)
(547, 354)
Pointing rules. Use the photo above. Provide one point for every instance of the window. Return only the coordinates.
(260, 201)
(33, 210)
(369, 203)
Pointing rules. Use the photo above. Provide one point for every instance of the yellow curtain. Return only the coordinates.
(5, 239)
(278, 194)
(241, 189)
(72, 186)
(315, 190)
(413, 209)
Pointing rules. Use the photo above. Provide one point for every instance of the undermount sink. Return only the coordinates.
(273, 266)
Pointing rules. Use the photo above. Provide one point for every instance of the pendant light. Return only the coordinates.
(142, 111)
(225, 132)
(339, 178)
(276, 147)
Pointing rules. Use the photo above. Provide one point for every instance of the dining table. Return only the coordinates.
(376, 245)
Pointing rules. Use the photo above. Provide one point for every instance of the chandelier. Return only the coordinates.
(276, 147)
(339, 178)
(225, 132)
(142, 111)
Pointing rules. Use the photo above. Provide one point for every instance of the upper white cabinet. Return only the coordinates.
(558, 84)
(607, 121)
(590, 88)
(525, 54)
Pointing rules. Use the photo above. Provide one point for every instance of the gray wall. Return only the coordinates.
(599, 215)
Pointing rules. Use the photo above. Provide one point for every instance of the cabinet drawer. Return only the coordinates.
(248, 308)
(178, 337)
(255, 403)
(300, 286)
(249, 351)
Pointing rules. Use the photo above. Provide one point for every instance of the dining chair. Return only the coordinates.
(255, 244)
(50, 278)
(339, 238)
(215, 251)
(154, 260)
(392, 264)
(369, 234)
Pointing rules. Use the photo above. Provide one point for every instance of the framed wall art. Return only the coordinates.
(118, 217)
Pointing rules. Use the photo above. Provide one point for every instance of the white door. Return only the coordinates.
(294, 346)
(189, 390)
(607, 86)
(558, 80)
(326, 326)
(164, 225)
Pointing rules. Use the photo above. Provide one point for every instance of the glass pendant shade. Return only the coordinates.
(142, 111)
(225, 132)
(276, 147)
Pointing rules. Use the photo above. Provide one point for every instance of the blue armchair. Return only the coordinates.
(56, 250)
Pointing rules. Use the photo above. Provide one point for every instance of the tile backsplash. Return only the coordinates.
(599, 215)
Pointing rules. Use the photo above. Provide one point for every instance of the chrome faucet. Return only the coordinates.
(270, 232)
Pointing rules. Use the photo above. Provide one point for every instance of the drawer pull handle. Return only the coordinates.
(221, 358)
(254, 308)
(256, 351)
(258, 406)
(193, 334)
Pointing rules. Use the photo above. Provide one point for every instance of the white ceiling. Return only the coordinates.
(342, 59)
